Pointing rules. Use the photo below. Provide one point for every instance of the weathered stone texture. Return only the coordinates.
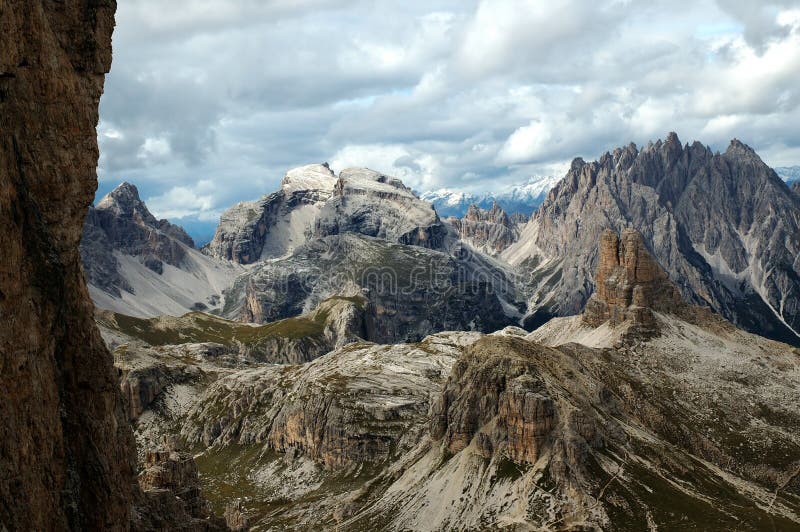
(66, 457)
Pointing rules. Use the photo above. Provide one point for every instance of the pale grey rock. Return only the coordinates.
(489, 231)
(314, 203)
(277, 223)
(372, 204)
(724, 227)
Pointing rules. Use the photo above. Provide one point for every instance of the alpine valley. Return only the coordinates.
(614, 350)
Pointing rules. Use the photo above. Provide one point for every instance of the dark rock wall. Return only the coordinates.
(67, 452)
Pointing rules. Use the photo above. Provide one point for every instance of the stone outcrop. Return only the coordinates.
(497, 399)
(724, 226)
(67, 454)
(171, 486)
(629, 284)
(490, 231)
(361, 405)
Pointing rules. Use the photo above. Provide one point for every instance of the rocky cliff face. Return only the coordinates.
(411, 291)
(630, 284)
(490, 231)
(314, 203)
(121, 222)
(496, 399)
(274, 225)
(70, 461)
(170, 483)
(724, 226)
(372, 204)
(141, 266)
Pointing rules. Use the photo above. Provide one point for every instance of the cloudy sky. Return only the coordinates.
(209, 102)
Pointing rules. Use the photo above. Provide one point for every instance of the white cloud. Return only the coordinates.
(181, 202)
(154, 148)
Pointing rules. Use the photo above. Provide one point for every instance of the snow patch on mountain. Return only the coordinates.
(523, 198)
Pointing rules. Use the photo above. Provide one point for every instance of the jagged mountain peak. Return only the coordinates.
(124, 200)
(722, 225)
(487, 230)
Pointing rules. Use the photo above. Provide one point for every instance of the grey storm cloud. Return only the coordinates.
(209, 102)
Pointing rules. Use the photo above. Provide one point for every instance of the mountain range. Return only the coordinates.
(515, 199)
(342, 357)
(341, 336)
(789, 174)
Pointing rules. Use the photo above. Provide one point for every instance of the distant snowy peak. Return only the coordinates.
(788, 173)
(523, 199)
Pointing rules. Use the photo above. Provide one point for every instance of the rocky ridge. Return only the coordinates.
(489, 231)
(138, 265)
(314, 203)
(555, 429)
(723, 225)
(122, 222)
(412, 291)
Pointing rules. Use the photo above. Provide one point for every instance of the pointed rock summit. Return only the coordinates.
(490, 231)
(630, 283)
(723, 224)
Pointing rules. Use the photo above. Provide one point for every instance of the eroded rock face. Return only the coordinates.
(70, 461)
(170, 484)
(497, 399)
(313, 203)
(373, 204)
(277, 223)
(630, 283)
(121, 222)
(411, 291)
(361, 404)
(490, 230)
